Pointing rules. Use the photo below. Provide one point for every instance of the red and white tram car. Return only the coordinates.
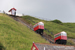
(60, 38)
(39, 27)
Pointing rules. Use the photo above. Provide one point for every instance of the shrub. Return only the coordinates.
(70, 42)
(57, 21)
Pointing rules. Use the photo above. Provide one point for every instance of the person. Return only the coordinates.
(15, 13)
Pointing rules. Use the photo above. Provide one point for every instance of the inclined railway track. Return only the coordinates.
(28, 25)
(48, 38)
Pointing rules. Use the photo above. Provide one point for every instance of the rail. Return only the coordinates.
(44, 36)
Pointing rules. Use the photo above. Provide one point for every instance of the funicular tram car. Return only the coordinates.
(60, 38)
(39, 27)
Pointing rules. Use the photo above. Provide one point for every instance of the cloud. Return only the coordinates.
(21, 5)
(63, 10)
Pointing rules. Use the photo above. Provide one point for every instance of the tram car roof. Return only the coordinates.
(60, 33)
(39, 23)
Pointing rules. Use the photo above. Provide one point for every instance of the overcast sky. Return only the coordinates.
(63, 10)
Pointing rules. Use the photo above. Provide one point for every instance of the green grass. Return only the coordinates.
(70, 25)
(70, 42)
(16, 36)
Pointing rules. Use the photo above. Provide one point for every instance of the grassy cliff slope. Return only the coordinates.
(16, 36)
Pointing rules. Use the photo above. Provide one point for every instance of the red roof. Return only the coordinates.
(12, 9)
(34, 46)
